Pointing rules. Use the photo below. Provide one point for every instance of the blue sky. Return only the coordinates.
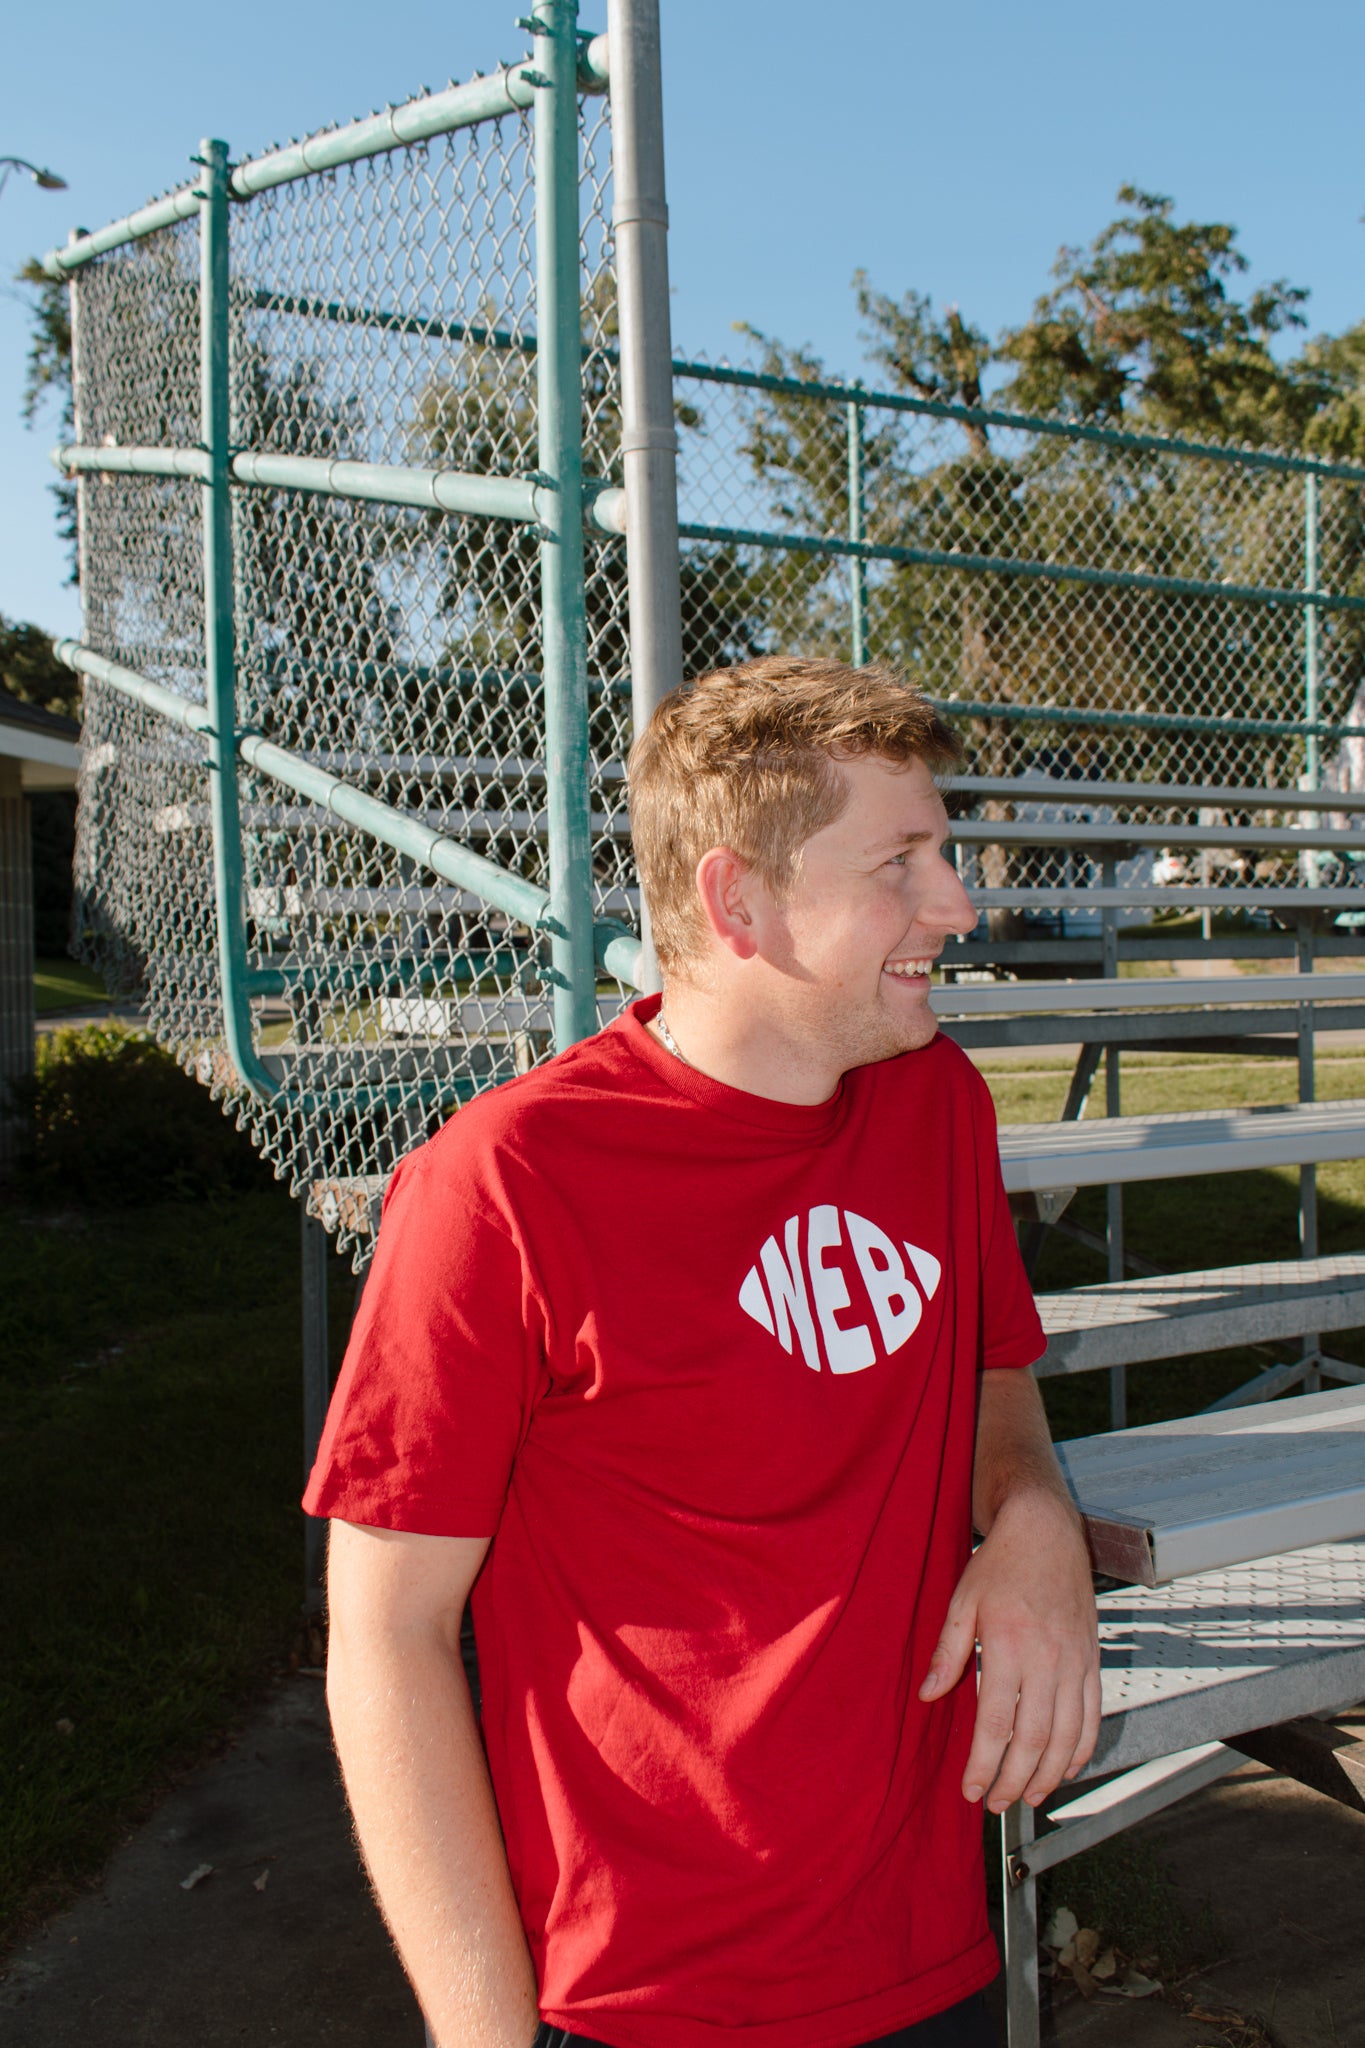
(949, 148)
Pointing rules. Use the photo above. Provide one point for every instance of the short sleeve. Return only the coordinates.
(1011, 1332)
(445, 1363)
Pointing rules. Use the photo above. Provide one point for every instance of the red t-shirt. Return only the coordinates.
(704, 1365)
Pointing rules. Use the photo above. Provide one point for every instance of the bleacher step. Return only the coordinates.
(1128, 1322)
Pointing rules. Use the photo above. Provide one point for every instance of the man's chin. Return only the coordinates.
(897, 1035)
(918, 1033)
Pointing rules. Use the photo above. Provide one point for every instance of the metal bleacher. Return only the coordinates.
(377, 588)
(1225, 1638)
(1287, 911)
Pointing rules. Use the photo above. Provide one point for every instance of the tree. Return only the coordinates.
(928, 357)
(47, 380)
(1148, 330)
(1146, 327)
(30, 670)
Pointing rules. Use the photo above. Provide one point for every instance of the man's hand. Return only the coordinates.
(1026, 1597)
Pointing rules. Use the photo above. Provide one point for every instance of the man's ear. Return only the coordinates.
(726, 885)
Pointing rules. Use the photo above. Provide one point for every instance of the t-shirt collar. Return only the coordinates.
(808, 1120)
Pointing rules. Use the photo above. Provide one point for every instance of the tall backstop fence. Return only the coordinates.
(1144, 606)
(397, 515)
(353, 421)
(1087, 605)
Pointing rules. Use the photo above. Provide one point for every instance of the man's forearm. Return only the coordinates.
(1026, 1598)
(1014, 1454)
(424, 1811)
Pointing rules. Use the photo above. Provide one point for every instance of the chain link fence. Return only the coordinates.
(382, 313)
(1090, 607)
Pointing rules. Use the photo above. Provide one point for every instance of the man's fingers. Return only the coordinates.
(1031, 1733)
(951, 1654)
(1090, 1724)
(995, 1717)
(1068, 1720)
(1033, 1724)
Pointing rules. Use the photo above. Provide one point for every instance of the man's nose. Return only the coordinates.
(953, 907)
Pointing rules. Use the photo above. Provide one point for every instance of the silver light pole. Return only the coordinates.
(46, 181)
(649, 443)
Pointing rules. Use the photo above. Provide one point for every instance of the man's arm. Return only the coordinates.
(1027, 1598)
(417, 1782)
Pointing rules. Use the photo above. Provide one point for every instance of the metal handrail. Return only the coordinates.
(509, 90)
(1009, 565)
(1176, 795)
(617, 950)
(528, 499)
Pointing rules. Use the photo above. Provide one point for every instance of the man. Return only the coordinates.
(695, 1354)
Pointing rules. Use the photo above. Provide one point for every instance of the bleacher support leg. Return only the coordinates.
(1308, 1175)
(1020, 1889)
(316, 1391)
(1113, 1106)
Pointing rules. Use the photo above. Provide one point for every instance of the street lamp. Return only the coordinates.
(46, 181)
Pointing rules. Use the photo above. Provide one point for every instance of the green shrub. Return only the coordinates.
(109, 1118)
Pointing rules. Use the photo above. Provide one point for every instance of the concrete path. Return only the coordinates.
(302, 1961)
(75, 1019)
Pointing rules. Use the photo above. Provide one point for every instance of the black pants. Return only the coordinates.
(967, 2025)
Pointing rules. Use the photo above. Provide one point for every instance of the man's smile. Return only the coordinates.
(910, 970)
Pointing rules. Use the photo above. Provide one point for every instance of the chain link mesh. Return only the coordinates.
(773, 478)
(384, 312)
(144, 890)
(398, 649)
(615, 893)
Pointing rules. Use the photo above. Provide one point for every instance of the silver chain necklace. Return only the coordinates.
(670, 1041)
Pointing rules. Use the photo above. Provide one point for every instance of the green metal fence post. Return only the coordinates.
(1311, 1345)
(1312, 744)
(220, 656)
(559, 408)
(1303, 930)
(857, 566)
(1113, 1106)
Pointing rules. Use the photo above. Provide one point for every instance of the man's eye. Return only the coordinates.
(898, 860)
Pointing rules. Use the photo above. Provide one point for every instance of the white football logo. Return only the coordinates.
(775, 1291)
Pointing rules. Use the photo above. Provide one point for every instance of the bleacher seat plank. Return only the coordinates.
(1047, 832)
(1131, 1148)
(1131, 1322)
(1174, 991)
(1207, 1492)
(1196, 796)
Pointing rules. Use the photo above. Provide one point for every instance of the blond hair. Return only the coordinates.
(746, 758)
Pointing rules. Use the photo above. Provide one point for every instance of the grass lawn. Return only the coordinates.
(1179, 1226)
(150, 1534)
(66, 985)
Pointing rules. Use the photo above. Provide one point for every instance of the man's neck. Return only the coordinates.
(724, 1040)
